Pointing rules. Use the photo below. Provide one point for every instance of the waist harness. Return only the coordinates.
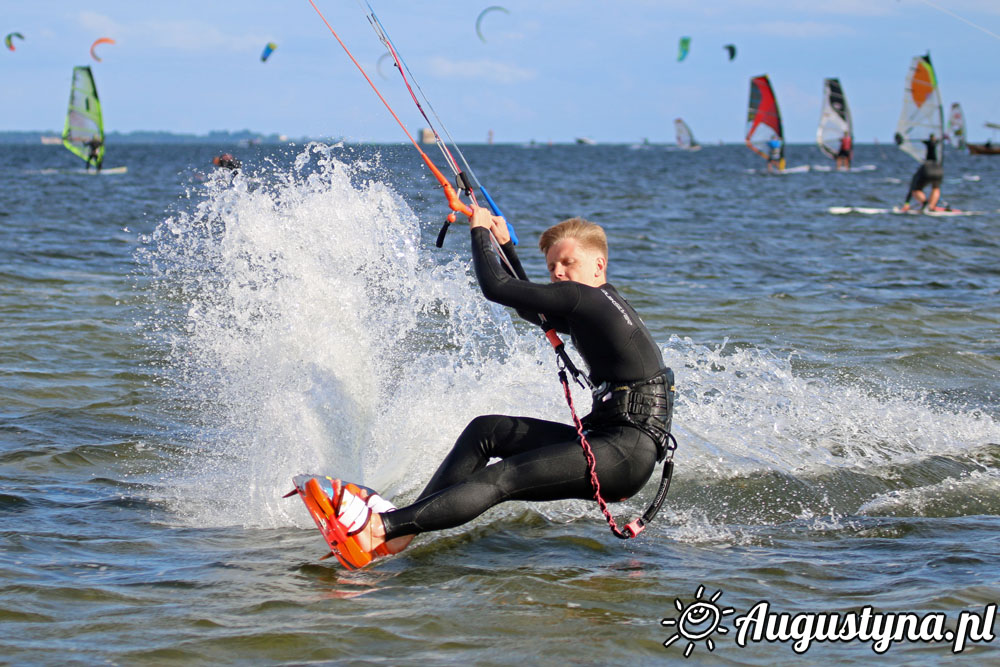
(647, 405)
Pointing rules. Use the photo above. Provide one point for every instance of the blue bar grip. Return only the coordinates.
(496, 211)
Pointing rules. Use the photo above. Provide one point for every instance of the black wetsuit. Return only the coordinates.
(542, 460)
(929, 173)
(95, 147)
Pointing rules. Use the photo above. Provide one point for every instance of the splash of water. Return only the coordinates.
(313, 333)
(763, 443)
(746, 410)
(308, 328)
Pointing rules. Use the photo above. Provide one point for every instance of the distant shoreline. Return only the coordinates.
(250, 138)
(246, 137)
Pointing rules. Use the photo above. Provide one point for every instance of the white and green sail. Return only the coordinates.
(83, 119)
(956, 126)
(923, 114)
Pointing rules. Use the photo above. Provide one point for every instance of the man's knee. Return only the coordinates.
(480, 433)
(482, 424)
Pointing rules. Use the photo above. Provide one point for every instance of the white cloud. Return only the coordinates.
(801, 29)
(788, 7)
(482, 70)
(99, 23)
(179, 35)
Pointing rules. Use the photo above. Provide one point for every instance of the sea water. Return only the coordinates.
(178, 343)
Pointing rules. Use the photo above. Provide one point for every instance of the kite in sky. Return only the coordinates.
(102, 40)
(479, 19)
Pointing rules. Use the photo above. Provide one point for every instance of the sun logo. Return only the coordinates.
(697, 621)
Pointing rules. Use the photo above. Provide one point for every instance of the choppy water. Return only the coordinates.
(171, 354)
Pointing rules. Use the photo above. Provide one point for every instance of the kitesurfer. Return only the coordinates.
(540, 460)
(94, 145)
(931, 173)
(774, 153)
(844, 154)
(226, 161)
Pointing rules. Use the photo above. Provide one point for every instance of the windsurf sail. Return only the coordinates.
(922, 114)
(763, 118)
(83, 119)
(835, 120)
(956, 126)
(685, 139)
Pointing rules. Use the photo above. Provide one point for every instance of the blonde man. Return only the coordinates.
(540, 460)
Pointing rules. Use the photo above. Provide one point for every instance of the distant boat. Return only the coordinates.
(51, 141)
(983, 149)
(835, 120)
(988, 148)
(586, 141)
(685, 138)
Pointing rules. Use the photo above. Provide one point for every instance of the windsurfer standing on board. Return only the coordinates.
(538, 460)
(94, 144)
(844, 154)
(774, 153)
(931, 173)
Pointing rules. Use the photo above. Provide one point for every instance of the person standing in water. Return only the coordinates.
(930, 172)
(774, 154)
(844, 154)
(95, 156)
(628, 428)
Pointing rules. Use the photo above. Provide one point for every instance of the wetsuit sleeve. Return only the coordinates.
(515, 261)
(553, 300)
(518, 272)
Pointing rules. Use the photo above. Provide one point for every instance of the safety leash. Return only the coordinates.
(636, 526)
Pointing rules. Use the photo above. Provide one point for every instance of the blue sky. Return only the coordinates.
(551, 70)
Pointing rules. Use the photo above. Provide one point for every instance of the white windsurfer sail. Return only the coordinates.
(685, 138)
(84, 124)
(956, 126)
(922, 114)
(835, 121)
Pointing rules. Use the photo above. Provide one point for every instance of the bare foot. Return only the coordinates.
(375, 537)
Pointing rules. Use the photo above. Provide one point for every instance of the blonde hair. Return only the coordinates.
(589, 234)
